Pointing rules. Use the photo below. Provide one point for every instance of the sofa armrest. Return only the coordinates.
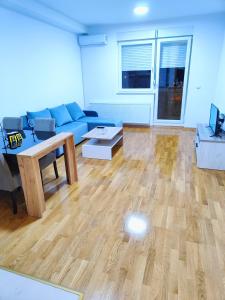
(90, 113)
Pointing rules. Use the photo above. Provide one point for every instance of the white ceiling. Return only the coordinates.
(93, 12)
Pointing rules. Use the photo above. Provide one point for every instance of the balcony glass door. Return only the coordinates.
(171, 79)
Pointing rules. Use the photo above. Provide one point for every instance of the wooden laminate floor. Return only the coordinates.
(81, 241)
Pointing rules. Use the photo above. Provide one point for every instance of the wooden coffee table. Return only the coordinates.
(102, 142)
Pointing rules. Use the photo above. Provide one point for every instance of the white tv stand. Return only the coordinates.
(210, 150)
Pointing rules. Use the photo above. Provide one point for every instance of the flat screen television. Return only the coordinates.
(214, 119)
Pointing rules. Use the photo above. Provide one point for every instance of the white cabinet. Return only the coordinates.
(210, 150)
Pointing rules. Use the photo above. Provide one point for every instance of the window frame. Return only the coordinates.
(160, 41)
(149, 90)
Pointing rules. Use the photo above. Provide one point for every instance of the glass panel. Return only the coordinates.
(136, 79)
(171, 82)
(171, 79)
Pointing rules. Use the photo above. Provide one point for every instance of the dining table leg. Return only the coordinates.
(70, 160)
(32, 185)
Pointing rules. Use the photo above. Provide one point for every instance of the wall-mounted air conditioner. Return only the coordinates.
(92, 40)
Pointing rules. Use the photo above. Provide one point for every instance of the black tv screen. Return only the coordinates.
(213, 120)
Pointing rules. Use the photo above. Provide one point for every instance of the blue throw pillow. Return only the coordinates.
(75, 111)
(43, 114)
(61, 115)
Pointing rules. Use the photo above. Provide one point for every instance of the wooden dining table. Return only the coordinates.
(28, 156)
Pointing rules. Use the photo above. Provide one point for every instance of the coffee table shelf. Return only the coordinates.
(101, 145)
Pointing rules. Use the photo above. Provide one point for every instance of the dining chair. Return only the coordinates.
(9, 179)
(10, 124)
(45, 129)
(9, 171)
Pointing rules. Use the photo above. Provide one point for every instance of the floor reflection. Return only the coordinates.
(166, 153)
(137, 225)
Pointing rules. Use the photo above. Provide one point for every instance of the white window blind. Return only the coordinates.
(136, 57)
(173, 55)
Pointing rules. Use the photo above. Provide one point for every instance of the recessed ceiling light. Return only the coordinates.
(141, 10)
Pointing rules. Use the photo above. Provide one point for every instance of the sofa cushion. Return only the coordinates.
(61, 115)
(77, 128)
(96, 121)
(75, 111)
(45, 113)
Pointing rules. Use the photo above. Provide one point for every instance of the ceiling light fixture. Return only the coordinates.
(141, 10)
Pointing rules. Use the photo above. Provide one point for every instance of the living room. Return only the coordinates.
(113, 139)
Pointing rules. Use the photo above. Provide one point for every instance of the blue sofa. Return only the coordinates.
(70, 118)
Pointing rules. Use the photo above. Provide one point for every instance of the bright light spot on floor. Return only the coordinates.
(137, 224)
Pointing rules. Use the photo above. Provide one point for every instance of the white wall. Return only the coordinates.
(207, 46)
(100, 80)
(40, 65)
(100, 64)
(220, 89)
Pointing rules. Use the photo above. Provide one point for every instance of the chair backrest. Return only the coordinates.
(12, 123)
(44, 128)
(8, 182)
